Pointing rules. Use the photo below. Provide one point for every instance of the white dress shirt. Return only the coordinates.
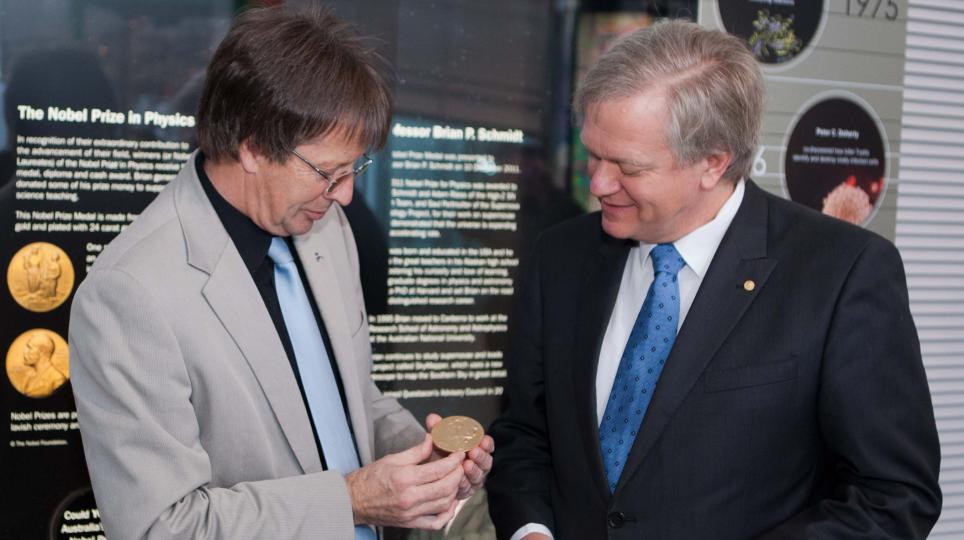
(697, 249)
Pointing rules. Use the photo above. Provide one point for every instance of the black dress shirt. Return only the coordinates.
(252, 243)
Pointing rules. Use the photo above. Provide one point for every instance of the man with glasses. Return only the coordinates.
(219, 346)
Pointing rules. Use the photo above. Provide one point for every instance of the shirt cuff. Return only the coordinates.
(531, 528)
(458, 508)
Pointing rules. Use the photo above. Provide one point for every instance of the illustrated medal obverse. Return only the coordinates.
(37, 363)
(40, 277)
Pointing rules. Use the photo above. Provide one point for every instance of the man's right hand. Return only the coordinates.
(400, 490)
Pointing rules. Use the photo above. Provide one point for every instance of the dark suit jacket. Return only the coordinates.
(798, 409)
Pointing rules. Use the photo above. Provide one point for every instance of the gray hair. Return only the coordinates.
(711, 81)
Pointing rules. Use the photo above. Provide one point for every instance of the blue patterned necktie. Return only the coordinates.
(317, 377)
(646, 351)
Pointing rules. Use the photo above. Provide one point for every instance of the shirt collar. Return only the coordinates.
(251, 241)
(698, 247)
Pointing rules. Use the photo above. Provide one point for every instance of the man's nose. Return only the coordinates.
(344, 193)
(604, 179)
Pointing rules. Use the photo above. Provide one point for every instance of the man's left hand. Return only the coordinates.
(477, 463)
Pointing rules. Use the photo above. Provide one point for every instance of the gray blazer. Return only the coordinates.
(192, 421)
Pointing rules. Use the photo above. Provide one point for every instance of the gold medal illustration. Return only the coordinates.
(37, 363)
(457, 434)
(40, 276)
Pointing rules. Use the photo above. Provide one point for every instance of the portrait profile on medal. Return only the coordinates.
(37, 363)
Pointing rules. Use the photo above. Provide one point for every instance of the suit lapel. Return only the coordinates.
(601, 277)
(320, 260)
(716, 310)
(234, 298)
(232, 295)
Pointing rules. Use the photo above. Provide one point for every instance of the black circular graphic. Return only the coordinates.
(77, 517)
(835, 160)
(776, 30)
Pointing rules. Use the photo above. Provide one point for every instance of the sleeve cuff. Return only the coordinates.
(531, 528)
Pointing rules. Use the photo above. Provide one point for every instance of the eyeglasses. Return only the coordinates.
(363, 162)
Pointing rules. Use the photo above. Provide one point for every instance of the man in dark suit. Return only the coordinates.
(701, 359)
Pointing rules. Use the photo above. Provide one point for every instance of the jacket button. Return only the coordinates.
(617, 520)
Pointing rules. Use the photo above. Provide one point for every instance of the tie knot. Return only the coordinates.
(279, 252)
(666, 259)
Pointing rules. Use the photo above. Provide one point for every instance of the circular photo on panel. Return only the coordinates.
(77, 517)
(835, 159)
(776, 30)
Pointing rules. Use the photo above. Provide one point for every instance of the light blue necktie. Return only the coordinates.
(646, 351)
(317, 378)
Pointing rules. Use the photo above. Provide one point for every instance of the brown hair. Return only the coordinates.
(284, 76)
(712, 84)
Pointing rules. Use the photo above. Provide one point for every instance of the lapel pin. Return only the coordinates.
(749, 285)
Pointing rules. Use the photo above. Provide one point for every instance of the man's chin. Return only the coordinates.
(616, 229)
(299, 226)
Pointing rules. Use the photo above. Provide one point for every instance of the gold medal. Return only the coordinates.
(457, 434)
(40, 277)
(37, 363)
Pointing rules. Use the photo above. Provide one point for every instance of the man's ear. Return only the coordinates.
(715, 166)
(250, 158)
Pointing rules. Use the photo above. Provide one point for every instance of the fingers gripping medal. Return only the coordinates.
(457, 434)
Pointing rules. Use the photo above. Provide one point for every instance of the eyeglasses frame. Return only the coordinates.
(333, 183)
